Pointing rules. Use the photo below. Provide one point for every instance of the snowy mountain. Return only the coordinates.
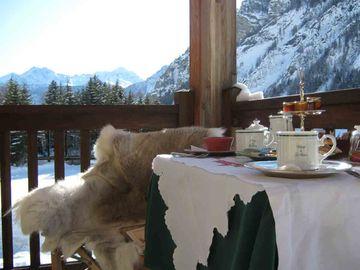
(276, 37)
(167, 80)
(38, 79)
(323, 37)
(175, 77)
(147, 86)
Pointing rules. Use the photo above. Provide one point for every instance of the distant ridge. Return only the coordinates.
(38, 79)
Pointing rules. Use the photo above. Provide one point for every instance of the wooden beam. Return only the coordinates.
(59, 141)
(68, 117)
(212, 56)
(33, 183)
(5, 168)
(85, 151)
(184, 99)
(342, 110)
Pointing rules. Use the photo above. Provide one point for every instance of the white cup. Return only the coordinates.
(253, 139)
(301, 149)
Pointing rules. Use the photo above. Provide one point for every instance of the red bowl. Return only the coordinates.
(218, 143)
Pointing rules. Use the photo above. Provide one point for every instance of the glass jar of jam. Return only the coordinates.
(288, 106)
(314, 103)
(301, 106)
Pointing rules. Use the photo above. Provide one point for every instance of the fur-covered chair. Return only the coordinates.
(109, 195)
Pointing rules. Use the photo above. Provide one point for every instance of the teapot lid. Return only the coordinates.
(256, 126)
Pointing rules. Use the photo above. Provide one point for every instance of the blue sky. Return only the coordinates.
(84, 36)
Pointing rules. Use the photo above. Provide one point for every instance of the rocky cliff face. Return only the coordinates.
(276, 37)
(323, 37)
(176, 77)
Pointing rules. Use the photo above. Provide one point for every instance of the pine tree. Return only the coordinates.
(16, 95)
(25, 95)
(92, 92)
(13, 95)
(115, 94)
(119, 91)
(2, 94)
(69, 96)
(129, 98)
(140, 100)
(61, 94)
(18, 148)
(104, 94)
(147, 100)
(53, 95)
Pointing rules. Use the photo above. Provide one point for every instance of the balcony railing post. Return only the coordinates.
(5, 168)
(228, 100)
(185, 101)
(33, 183)
(59, 156)
(85, 150)
(59, 141)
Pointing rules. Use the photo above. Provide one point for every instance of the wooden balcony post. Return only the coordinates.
(212, 56)
(33, 183)
(59, 143)
(85, 151)
(5, 169)
(228, 100)
(185, 101)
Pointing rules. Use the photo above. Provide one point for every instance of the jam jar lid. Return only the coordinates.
(256, 126)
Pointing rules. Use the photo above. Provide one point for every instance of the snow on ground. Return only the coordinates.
(19, 188)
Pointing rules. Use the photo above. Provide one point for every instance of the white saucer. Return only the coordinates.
(327, 168)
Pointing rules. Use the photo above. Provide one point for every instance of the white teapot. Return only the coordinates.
(255, 136)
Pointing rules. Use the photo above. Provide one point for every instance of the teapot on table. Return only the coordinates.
(256, 136)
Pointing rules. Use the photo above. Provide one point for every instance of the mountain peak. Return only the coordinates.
(39, 70)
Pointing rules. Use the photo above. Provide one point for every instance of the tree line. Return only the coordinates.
(95, 92)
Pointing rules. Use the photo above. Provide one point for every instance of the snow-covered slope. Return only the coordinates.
(323, 37)
(276, 37)
(145, 87)
(175, 77)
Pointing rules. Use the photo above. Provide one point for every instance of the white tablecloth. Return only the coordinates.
(317, 221)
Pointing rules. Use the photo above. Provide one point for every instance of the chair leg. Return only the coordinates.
(88, 259)
(57, 262)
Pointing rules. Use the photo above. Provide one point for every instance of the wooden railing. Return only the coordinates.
(342, 110)
(59, 119)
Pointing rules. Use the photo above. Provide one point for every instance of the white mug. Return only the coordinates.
(280, 123)
(253, 139)
(301, 149)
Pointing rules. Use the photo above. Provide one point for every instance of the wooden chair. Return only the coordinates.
(134, 233)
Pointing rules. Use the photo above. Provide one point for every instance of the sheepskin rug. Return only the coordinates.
(110, 194)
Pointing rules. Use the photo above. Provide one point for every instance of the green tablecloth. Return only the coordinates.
(249, 244)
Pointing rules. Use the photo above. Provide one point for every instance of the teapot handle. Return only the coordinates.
(333, 148)
(268, 134)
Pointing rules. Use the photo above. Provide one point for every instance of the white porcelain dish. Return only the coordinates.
(327, 168)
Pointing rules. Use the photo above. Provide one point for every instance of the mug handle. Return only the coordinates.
(269, 134)
(333, 148)
(232, 143)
